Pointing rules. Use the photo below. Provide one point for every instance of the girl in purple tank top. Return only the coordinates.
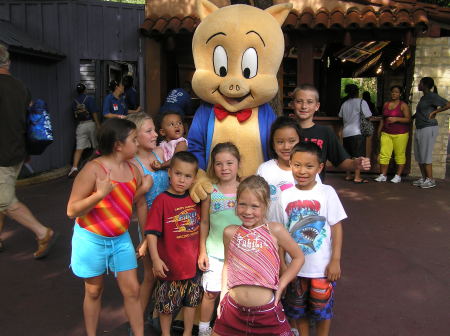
(251, 284)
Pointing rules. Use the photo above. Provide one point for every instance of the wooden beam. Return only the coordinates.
(305, 61)
(152, 76)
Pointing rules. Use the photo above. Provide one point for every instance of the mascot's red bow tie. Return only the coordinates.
(241, 115)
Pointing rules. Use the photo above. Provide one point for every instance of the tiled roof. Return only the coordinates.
(154, 25)
(368, 14)
(355, 18)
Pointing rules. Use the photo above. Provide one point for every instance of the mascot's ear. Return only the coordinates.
(204, 8)
(280, 11)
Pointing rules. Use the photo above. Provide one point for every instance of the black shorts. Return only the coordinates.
(355, 145)
(170, 296)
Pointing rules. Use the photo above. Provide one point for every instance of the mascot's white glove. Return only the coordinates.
(201, 188)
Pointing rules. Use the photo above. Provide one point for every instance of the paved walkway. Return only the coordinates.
(395, 266)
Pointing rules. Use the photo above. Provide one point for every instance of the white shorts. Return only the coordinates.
(212, 278)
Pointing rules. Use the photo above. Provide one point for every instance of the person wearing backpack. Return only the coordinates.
(14, 100)
(86, 115)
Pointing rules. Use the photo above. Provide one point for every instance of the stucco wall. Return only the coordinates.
(433, 60)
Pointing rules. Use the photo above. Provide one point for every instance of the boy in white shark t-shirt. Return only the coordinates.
(312, 212)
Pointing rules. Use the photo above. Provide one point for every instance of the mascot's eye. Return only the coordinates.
(220, 61)
(249, 63)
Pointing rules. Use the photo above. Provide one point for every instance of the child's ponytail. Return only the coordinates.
(428, 82)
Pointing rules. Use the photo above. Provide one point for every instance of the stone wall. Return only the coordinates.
(432, 59)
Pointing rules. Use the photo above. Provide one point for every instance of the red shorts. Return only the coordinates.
(237, 320)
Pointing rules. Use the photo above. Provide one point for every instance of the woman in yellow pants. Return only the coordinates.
(394, 132)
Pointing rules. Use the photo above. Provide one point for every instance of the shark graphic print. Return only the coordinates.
(306, 225)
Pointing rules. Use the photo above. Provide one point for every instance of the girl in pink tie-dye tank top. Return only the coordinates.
(252, 284)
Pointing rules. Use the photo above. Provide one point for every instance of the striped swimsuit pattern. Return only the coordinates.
(253, 258)
(111, 216)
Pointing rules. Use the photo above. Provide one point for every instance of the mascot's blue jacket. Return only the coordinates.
(202, 130)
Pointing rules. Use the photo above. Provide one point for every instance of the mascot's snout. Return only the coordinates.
(234, 88)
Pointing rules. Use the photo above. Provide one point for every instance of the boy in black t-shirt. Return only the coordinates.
(306, 103)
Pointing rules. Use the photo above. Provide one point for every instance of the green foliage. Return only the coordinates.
(364, 84)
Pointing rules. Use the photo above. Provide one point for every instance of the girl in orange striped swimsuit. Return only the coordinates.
(101, 203)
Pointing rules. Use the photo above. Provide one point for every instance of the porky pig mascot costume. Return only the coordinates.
(237, 52)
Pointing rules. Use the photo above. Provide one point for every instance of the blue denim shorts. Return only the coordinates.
(93, 255)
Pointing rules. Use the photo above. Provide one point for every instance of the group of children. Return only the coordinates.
(269, 245)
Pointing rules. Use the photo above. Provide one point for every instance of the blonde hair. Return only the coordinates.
(138, 119)
(305, 87)
(220, 148)
(258, 186)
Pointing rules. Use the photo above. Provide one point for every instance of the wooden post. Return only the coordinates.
(152, 76)
(305, 61)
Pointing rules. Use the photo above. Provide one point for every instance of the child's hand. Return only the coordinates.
(362, 163)
(219, 309)
(159, 268)
(333, 270)
(156, 165)
(104, 186)
(203, 262)
(279, 294)
(141, 250)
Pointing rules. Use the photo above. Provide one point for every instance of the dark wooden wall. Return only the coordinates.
(80, 29)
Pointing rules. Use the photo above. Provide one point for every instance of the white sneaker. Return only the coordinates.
(381, 178)
(428, 183)
(206, 332)
(419, 182)
(295, 332)
(396, 179)
(73, 172)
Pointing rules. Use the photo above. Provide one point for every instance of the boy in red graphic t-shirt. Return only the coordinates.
(173, 236)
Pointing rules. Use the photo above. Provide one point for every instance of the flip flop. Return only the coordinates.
(348, 178)
(361, 182)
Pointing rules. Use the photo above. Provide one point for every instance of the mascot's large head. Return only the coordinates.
(237, 52)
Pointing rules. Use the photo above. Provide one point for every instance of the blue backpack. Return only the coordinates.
(39, 128)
